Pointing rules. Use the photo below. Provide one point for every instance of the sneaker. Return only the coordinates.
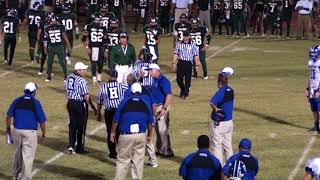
(39, 73)
(32, 62)
(152, 165)
(48, 79)
(71, 150)
(263, 35)
(5, 62)
(248, 35)
(206, 77)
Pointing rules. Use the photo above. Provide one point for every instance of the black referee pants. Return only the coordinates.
(184, 73)
(78, 116)
(108, 116)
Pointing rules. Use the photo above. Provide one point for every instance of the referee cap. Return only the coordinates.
(30, 87)
(245, 143)
(186, 33)
(80, 66)
(136, 88)
(153, 66)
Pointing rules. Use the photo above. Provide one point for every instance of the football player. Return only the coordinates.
(238, 10)
(152, 38)
(258, 13)
(58, 7)
(69, 20)
(42, 40)
(94, 39)
(163, 12)
(33, 18)
(8, 33)
(198, 34)
(57, 39)
(216, 13)
(93, 6)
(287, 7)
(227, 16)
(113, 36)
(272, 11)
(142, 10)
(312, 169)
(106, 16)
(180, 27)
(313, 92)
(117, 6)
(143, 62)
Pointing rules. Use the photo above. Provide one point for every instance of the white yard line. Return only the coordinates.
(306, 150)
(97, 129)
(61, 154)
(26, 65)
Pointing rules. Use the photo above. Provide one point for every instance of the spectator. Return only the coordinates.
(180, 7)
(27, 112)
(242, 165)
(201, 164)
(204, 13)
(134, 117)
(222, 124)
(304, 8)
(163, 12)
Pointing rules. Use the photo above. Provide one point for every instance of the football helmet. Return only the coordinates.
(153, 22)
(314, 52)
(13, 12)
(183, 18)
(114, 23)
(195, 23)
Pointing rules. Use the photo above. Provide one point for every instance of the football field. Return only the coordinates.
(270, 108)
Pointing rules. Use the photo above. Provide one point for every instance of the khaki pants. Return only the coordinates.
(152, 153)
(303, 24)
(177, 14)
(204, 17)
(163, 144)
(221, 140)
(131, 151)
(25, 144)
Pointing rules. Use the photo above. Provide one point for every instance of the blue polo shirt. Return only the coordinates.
(134, 110)
(161, 87)
(146, 95)
(200, 165)
(223, 99)
(242, 165)
(27, 112)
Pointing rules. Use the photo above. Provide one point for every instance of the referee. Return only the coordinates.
(78, 100)
(110, 94)
(186, 52)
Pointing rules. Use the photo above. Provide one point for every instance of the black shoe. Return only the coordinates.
(112, 156)
(81, 151)
(167, 156)
(158, 154)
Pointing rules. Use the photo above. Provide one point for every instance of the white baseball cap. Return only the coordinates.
(228, 71)
(153, 66)
(136, 87)
(30, 87)
(80, 66)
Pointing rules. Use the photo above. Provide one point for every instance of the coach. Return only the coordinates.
(27, 113)
(134, 117)
(186, 52)
(162, 96)
(122, 58)
(304, 8)
(110, 94)
(201, 164)
(78, 99)
(222, 125)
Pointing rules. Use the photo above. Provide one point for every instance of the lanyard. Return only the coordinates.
(124, 49)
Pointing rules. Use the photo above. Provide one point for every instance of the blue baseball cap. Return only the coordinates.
(245, 143)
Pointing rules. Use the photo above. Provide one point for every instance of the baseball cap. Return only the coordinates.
(80, 66)
(153, 66)
(125, 35)
(136, 88)
(245, 143)
(30, 87)
(186, 33)
(113, 73)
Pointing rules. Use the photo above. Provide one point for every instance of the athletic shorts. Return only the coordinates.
(314, 104)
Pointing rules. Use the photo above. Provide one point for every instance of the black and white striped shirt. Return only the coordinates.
(76, 87)
(147, 80)
(186, 51)
(111, 94)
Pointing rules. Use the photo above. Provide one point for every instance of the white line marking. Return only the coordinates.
(244, 78)
(225, 47)
(306, 150)
(185, 132)
(276, 51)
(61, 154)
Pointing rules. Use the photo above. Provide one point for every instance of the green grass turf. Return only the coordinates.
(270, 108)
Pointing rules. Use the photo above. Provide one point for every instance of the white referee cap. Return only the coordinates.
(30, 87)
(80, 66)
(136, 88)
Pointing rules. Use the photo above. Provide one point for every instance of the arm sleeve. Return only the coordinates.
(216, 99)
(133, 58)
(218, 170)
(83, 88)
(112, 57)
(177, 49)
(166, 87)
(195, 50)
(100, 96)
(11, 109)
(183, 168)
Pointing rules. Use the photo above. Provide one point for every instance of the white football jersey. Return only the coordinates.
(314, 68)
(313, 165)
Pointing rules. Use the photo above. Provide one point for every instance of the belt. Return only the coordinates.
(181, 8)
(76, 100)
(123, 64)
(127, 133)
(181, 60)
(304, 14)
